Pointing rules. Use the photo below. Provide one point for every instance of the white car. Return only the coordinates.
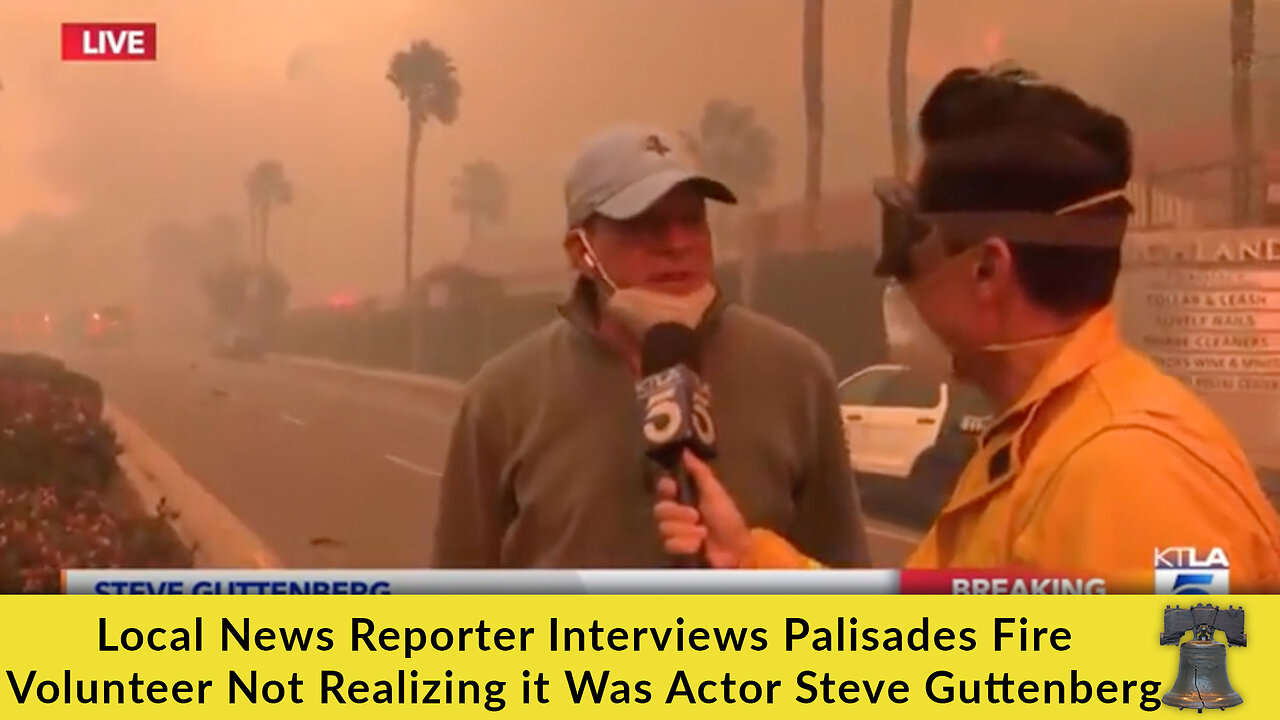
(908, 436)
(891, 415)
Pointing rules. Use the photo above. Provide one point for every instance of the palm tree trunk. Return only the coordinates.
(749, 260)
(264, 257)
(899, 44)
(253, 232)
(1243, 188)
(411, 303)
(811, 42)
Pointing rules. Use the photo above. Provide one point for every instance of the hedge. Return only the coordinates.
(63, 501)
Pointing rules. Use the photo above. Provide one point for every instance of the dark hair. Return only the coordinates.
(969, 101)
(1004, 140)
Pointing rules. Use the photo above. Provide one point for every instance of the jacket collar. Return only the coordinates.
(1094, 341)
(999, 458)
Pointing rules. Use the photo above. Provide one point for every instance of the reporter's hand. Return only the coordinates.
(715, 524)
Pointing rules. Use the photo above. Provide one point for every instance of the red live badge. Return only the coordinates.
(108, 42)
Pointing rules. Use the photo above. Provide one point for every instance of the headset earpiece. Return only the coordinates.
(584, 249)
(593, 263)
(985, 268)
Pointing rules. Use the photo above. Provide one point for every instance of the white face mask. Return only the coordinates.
(639, 309)
(913, 343)
(910, 340)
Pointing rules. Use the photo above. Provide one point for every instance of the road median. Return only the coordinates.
(437, 383)
(216, 535)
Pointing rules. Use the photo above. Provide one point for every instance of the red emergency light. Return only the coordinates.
(342, 300)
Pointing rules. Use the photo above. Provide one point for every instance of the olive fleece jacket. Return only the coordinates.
(546, 465)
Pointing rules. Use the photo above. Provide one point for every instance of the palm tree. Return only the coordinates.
(265, 187)
(1242, 60)
(1271, 107)
(480, 193)
(812, 63)
(899, 45)
(730, 144)
(427, 81)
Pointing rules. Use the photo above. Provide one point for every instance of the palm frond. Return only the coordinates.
(427, 81)
(480, 189)
(731, 145)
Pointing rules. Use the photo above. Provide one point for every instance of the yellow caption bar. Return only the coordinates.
(614, 656)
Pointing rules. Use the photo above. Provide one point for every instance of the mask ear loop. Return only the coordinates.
(1090, 202)
(1032, 342)
(1087, 202)
(593, 262)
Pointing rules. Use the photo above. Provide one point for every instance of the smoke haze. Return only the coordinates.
(93, 155)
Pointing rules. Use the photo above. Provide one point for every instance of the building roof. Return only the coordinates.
(853, 219)
(1193, 162)
(521, 266)
(1192, 146)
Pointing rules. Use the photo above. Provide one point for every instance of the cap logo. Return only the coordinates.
(654, 144)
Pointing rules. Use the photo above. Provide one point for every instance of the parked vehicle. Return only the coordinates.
(908, 437)
(240, 341)
(26, 328)
(109, 325)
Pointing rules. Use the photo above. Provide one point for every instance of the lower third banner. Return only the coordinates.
(309, 656)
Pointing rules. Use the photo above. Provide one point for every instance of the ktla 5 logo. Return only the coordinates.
(108, 41)
(1189, 571)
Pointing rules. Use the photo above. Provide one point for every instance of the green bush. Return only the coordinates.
(62, 504)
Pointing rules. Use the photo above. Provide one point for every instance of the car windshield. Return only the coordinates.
(890, 387)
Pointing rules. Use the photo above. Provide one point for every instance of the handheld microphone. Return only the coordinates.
(675, 403)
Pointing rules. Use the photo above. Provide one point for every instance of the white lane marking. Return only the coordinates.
(293, 420)
(892, 533)
(411, 466)
(221, 539)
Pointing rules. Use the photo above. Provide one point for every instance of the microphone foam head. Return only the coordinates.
(666, 345)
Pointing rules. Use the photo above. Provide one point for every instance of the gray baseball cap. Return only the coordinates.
(624, 170)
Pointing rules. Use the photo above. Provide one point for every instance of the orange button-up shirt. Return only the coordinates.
(1102, 461)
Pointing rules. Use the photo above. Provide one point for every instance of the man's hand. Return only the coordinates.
(716, 525)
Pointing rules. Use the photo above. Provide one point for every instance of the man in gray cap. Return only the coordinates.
(546, 463)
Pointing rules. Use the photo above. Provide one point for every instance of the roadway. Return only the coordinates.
(330, 469)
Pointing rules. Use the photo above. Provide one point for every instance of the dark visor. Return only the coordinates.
(902, 226)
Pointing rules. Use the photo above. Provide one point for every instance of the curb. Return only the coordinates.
(429, 382)
(218, 537)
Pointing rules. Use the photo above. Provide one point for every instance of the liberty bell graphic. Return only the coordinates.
(1202, 662)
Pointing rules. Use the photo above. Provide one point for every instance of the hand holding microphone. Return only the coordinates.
(714, 524)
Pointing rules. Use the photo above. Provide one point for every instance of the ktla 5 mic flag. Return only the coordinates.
(613, 656)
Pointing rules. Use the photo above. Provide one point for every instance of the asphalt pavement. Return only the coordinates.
(330, 469)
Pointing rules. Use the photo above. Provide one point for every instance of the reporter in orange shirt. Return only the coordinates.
(1096, 457)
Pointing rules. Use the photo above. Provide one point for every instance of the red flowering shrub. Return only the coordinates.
(62, 502)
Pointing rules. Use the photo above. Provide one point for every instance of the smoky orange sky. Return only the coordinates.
(121, 146)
